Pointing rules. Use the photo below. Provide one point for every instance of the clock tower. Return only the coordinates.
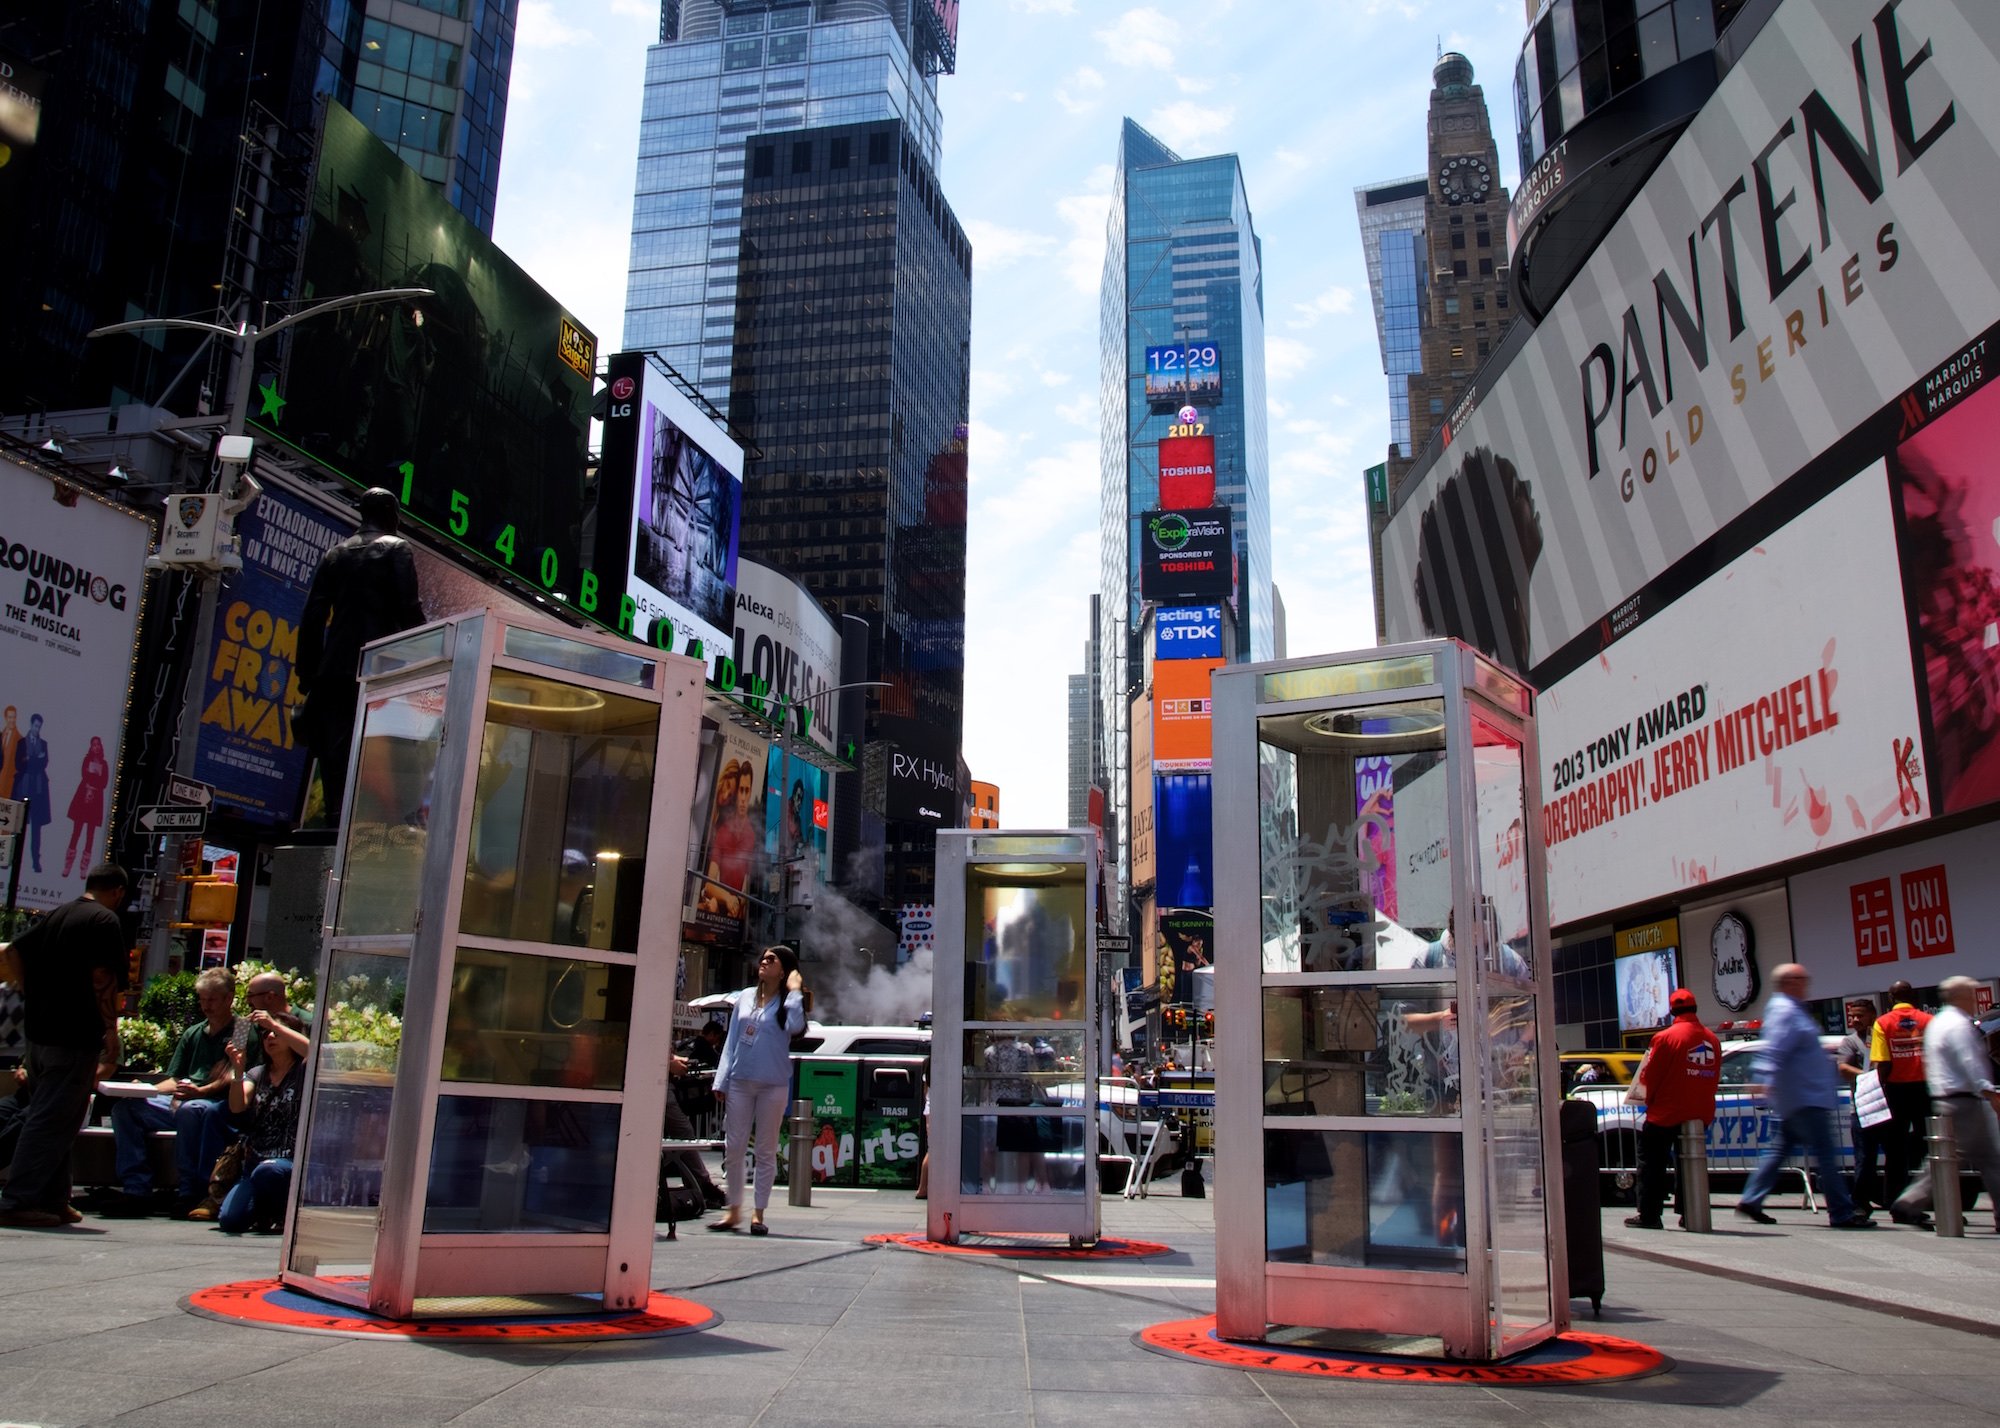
(1464, 307)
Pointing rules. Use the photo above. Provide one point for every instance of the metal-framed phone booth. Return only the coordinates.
(489, 1063)
(1386, 1143)
(1014, 1036)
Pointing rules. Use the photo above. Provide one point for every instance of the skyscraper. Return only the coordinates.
(1182, 267)
(1437, 274)
(1079, 750)
(168, 174)
(851, 377)
(723, 71)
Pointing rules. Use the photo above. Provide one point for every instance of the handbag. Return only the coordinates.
(229, 1168)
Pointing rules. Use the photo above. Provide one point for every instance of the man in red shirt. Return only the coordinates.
(1679, 1076)
(1896, 1048)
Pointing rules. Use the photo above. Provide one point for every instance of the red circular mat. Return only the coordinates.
(1029, 1247)
(1568, 1359)
(271, 1304)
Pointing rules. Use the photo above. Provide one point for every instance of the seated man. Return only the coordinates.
(192, 1104)
(268, 1004)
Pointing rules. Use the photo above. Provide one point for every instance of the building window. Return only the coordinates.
(1437, 406)
(1485, 237)
(1458, 268)
(878, 147)
(788, 49)
(742, 54)
(1458, 240)
(1479, 302)
(1485, 267)
(1451, 306)
(1457, 351)
(837, 157)
(1483, 348)
(762, 162)
(1500, 298)
(802, 157)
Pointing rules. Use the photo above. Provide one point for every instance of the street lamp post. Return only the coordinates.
(233, 448)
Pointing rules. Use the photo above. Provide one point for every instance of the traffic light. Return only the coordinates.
(1208, 1026)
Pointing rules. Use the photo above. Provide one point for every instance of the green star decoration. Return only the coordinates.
(273, 403)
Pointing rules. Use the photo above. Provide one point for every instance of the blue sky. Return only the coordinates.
(1315, 97)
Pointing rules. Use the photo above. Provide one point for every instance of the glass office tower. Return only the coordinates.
(1182, 264)
(723, 71)
(1392, 242)
(139, 195)
(852, 382)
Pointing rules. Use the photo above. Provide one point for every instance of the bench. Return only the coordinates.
(93, 1160)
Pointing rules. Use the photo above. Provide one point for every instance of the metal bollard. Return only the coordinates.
(799, 1176)
(1694, 1178)
(1947, 1207)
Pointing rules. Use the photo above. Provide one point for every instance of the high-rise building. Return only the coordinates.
(167, 177)
(1079, 750)
(851, 379)
(725, 70)
(1183, 269)
(1436, 248)
(1392, 245)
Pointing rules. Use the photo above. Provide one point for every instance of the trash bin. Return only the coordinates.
(889, 1128)
(830, 1082)
(1583, 1224)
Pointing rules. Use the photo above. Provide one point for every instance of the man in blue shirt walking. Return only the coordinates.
(1802, 1086)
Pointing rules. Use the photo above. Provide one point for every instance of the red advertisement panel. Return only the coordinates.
(1874, 923)
(1187, 473)
(1927, 912)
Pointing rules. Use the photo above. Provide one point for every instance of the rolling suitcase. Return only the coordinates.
(1583, 1226)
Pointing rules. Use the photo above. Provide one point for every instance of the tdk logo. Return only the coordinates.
(1170, 633)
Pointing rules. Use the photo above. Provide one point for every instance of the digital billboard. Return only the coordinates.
(1181, 714)
(1187, 632)
(71, 580)
(250, 680)
(1190, 371)
(1183, 806)
(785, 645)
(1187, 472)
(921, 772)
(472, 406)
(1186, 945)
(1186, 556)
(672, 487)
(1140, 815)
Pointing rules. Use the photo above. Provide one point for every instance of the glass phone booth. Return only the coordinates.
(1013, 1036)
(1386, 1143)
(489, 1063)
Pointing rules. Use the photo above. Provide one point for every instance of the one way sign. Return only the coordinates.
(190, 791)
(163, 818)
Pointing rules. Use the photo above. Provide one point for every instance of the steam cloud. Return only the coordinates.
(849, 960)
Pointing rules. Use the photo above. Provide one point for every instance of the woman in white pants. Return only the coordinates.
(754, 1078)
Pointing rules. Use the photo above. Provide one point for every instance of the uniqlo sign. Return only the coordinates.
(1874, 923)
(1927, 913)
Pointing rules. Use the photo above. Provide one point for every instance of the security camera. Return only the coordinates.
(234, 449)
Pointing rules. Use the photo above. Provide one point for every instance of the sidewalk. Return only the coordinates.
(819, 1329)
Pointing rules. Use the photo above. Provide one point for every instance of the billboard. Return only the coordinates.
(921, 773)
(1186, 943)
(1785, 272)
(249, 679)
(1181, 714)
(795, 828)
(1139, 818)
(1676, 758)
(71, 583)
(1187, 472)
(473, 405)
(668, 514)
(785, 645)
(1186, 555)
(1184, 372)
(730, 818)
(1182, 815)
(1187, 632)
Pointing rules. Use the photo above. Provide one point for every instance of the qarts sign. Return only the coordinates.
(1186, 555)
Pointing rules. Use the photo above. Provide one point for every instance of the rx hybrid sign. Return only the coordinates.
(1187, 632)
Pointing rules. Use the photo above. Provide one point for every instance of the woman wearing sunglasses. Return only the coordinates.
(754, 1078)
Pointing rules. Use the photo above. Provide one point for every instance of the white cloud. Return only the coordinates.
(1140, 38)
(1185, 124)
(1045, 7)
(1054, 379)
(1336, 301)
(1085, 214)
(1079, 93)
(1082, 411)
(995, 246)
(1285, 357)
(637, 9)
(538, 28)
(1188, 84)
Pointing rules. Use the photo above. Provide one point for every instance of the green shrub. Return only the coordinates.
(169, 1001)
(144, 1045)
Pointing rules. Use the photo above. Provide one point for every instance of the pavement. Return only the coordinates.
(820, 1329)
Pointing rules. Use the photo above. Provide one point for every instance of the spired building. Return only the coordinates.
(1436, 247)
(168, 136)
(725, 70)
(851, 379)
(1183, 274)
